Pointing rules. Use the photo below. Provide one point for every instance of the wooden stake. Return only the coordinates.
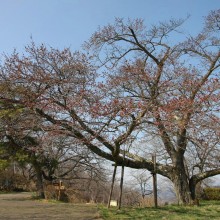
(121, 182)
(112, 185)
(154, 180)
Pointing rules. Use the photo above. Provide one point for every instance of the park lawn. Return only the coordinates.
(207, 210)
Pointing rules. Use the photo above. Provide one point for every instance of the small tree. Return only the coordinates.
(142, 182)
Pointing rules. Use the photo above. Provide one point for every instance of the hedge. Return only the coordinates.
(212, 193)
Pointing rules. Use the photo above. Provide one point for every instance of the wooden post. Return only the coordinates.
(112, 185)
(121, 182)
(59, 187)
(154, 180)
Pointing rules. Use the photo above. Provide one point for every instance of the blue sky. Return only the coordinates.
(68, 23)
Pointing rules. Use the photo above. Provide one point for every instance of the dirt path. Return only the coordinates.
(20, 206)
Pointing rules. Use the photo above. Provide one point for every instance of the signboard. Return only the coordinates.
(59, 186)
(113, 203)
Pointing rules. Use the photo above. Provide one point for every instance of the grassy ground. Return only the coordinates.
(207, 210)
(22, 206)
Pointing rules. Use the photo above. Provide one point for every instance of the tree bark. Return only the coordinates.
(192, 188)
(39, 183)
(180, 180)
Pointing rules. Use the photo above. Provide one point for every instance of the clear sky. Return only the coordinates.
(68, 23)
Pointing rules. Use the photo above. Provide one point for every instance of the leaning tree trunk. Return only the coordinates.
(181, 183)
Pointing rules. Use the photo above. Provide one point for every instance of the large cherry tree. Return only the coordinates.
(146, 86)
(174, 86)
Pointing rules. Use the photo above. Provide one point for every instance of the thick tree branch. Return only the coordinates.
(201, 176)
